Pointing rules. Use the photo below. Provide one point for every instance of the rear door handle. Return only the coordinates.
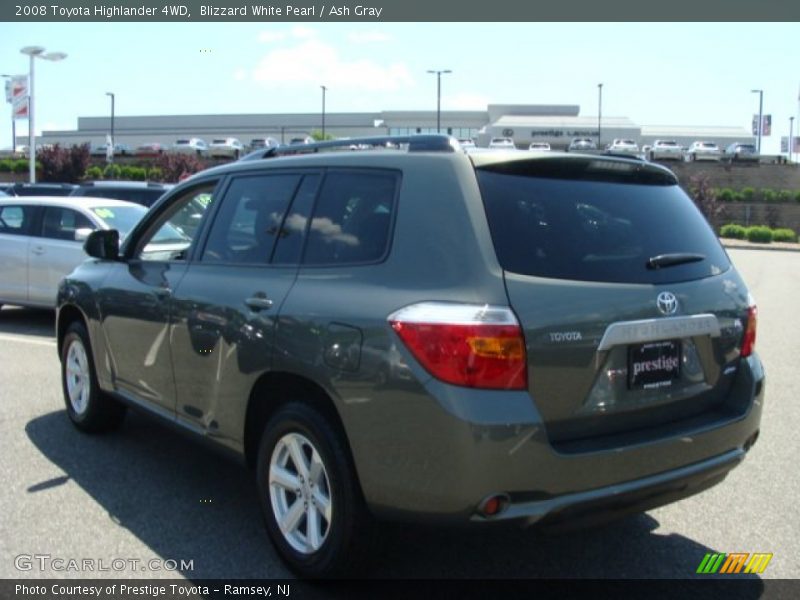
(258, 302)
(38, 250)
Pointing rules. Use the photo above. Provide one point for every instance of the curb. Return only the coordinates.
(768, 247)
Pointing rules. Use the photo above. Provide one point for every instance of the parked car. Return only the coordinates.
(539, 147)
(665, 150)
(225, 148)
(41, 241)
(190, 146)
(259, 143)
(141, 192)
(301, 140)
(703, 151)
(467, 144)
(572, 337)
(504, 143)
(150, 149)
(119, 150)
(41, 189)
(737, 152)
(620, 146)
(581, 144)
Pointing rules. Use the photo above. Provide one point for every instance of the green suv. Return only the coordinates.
(415, 332)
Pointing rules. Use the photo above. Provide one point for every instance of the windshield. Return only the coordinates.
(564, 223)
(121, 218)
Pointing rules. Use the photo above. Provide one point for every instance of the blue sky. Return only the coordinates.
(653, 73)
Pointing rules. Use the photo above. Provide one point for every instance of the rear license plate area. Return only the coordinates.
(654, 365)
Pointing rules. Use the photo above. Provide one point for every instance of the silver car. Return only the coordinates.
(225, 148)
(41, 241)
(703, 151)
(190, 146)
(665, 150)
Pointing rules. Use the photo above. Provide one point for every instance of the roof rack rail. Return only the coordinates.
(623, 155)
(415, 143)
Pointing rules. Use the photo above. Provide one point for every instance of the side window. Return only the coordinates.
(16, 220)
(293, 232)
(61, 223)
(352, 218)
(174, 232)
(250, 219)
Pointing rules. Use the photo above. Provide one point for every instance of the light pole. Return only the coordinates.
(760, 115)
(111, 95)
(791, 134)
(599, 113)
(9, 78)
(439, 96)
(35, 52)
(324, 89)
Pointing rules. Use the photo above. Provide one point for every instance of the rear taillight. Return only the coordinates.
(749, 339)
(465, 344)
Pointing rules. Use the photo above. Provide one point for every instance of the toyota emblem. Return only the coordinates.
(667, 303)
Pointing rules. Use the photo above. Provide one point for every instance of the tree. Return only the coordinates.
(176, 167)
(705, 197)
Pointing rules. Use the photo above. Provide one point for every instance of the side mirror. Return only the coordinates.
(103, 244)
(82, 234)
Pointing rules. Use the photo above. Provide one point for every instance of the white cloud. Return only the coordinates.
(267, 37)
(303, 32)
(318, 63)
(368, 37)
(240, 74)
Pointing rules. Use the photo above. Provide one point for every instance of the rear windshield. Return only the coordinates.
(593, 227)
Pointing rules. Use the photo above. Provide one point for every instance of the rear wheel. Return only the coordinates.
(309, 495)
(88, 407)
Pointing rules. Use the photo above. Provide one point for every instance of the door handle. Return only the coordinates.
(258, 302)
(162, 292)
(38, 250)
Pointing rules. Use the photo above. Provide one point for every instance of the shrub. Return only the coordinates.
(784, 234)
(63, 164)
(785, 196)
(748, 194)
(125, 172)
(94, 172)
(155, 174)
(738, 197)
(705, 197)
(734, 231)
(760, 234)
(112, 171)
(175, 167)
(768, 195)
(725, 195)
(797, 196)
(20, 166)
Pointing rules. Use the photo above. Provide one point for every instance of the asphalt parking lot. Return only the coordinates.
(144, 493)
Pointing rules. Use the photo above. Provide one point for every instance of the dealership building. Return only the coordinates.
(524, 123)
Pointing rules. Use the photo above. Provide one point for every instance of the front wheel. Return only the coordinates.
(309, 495)
(88, 407)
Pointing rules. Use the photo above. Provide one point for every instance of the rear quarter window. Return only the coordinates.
(587, 229)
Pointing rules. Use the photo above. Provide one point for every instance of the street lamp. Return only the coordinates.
(35, 52)
(324, 89)
(439, 96)
(9, 78)
(791, 134)
(599, 113)
(111, 95)
(760, 115)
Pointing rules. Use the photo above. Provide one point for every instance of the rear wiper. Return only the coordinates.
(670, 260)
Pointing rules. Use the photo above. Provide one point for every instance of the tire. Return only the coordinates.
(88, 407)
(300, 432)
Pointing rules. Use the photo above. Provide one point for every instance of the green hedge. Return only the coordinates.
(757, 233)
(734, 231)
(784, 234)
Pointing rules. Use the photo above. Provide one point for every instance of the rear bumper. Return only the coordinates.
(436, 454)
